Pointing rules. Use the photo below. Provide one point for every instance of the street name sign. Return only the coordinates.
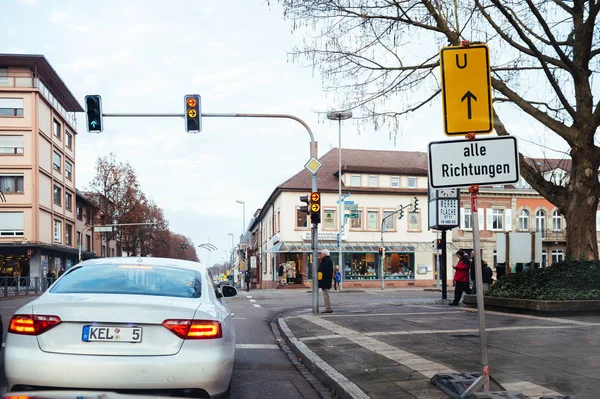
(466, 90)
(460, 163)
(103, 229)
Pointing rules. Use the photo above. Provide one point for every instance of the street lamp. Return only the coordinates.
(243, 218)
(208, 246)
(340, 116)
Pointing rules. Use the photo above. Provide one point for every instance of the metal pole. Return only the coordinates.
(382, 253)
(443, 267)
(340, 205)
(437, 260)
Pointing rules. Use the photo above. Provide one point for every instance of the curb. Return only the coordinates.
(342, 386)
(341, 291)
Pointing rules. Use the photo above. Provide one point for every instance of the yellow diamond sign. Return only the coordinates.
(313, 165)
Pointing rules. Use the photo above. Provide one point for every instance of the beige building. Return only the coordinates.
(37, 168)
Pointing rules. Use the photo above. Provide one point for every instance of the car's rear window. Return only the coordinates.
(132, 280)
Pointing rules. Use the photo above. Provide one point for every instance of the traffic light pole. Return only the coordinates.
(313, 150)
(443, 268)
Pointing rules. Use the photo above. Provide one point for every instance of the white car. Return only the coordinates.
(125, 325)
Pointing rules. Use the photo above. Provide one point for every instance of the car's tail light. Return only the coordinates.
(25, 324)
(194, 329)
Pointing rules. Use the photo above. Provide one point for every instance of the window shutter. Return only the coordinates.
(481, 219)
(508, 219)
(12, 220)
(462, 219)
(489, 219)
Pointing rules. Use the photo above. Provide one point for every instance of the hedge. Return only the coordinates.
(567, 280)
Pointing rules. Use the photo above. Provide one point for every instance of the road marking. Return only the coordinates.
(256, 346)
(256, 305)
(552, 319)
(239, 318)
(248, 296)
(389, 314)
(424, 366)
(252, 300)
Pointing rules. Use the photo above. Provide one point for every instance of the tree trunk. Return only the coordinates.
(582, 204)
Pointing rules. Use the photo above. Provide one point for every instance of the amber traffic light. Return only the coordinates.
(193, 114)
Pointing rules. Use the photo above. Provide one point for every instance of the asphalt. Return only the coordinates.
(392, 349)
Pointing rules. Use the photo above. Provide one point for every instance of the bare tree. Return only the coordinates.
(544, 55)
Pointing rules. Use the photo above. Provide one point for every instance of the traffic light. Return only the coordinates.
(380, 251)
(93, 113)
(315, 207)
(416, 205)
(439, 243)
(193, 114)
(306, 208)
(401, 213)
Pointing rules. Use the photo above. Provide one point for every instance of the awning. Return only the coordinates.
(360, 247)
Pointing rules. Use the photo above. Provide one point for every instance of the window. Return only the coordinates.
(497, 219)
(545, 258)
(356, 180)
(557, 255)
(414, 221)
(356, 222)
(524, 220)
(11, 107)
(11, 145)
(4, 76)
(79, 212)
(112, 252)
(372, 181)
(68, 201)
(68, 170)
(124, 280)
(57, 195)
(88, 216)
(540, 222)
(68, 140)
(395, 182)
(56, 161)
(88, 243)
(11, 184)
(56, 128)
(68, 234)
(57, 231)
(278, 221)
(389, 222)
(467, 219)
(78, 238)
(412, 182)
(556, 221)
(301, 219)
(12, 224)
(103, 251)
(329, 219)
(373, 220)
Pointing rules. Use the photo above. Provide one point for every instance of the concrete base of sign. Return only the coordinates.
(456, 384)
(537, 305)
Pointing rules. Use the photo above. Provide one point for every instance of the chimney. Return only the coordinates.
(316, 155)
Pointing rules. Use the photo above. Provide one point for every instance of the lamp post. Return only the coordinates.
(243, 218)
(208, 246)
(340, 116)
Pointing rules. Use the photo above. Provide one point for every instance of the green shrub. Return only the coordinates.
(567, 280)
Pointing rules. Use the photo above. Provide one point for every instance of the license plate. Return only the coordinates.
(111, 334)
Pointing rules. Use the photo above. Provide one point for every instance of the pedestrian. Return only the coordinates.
(325, 277)
(61, 271)
(461, 277)
(337, 279)
(247, 278)
(280, 273)
(487, 276)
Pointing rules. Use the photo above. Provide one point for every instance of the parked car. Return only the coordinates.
(123, 324)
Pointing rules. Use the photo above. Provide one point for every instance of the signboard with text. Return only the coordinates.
(444, 208)
(461, 163)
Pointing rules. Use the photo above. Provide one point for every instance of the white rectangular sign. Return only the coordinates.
(103, 229)
(486, 161)
(448, 212)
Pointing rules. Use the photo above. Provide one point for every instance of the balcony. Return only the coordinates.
(29, 80)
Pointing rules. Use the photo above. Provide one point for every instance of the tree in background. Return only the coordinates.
(544, 58)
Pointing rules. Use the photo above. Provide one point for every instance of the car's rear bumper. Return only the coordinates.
(27, 366)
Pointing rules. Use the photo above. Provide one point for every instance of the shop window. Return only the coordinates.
(399, 266)
(11, 145)
(356, 223)
(389, 219)
(329, 219)
(361, 266)
(11, 183)
(301, 219)
(414, 221)
(373, 220)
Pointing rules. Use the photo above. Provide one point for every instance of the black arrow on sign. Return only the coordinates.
(468, 96)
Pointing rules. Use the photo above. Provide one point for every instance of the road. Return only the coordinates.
(262, 369)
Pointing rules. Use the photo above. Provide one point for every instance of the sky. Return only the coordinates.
(144, 56)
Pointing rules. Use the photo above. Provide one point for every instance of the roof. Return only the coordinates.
(361, 161)
(48, 76)
(182, 264)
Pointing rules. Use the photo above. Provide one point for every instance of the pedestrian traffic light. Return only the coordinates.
(306, 208)
(193, 114)
(93, 113)
(439, 243)
(315, 207)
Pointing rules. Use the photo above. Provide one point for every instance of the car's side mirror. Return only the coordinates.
(228, 291)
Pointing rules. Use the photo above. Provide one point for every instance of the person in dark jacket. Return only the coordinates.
(461, 277)
(247, 279)
(325, 276)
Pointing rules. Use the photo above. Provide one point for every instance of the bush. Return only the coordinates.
(567, 280)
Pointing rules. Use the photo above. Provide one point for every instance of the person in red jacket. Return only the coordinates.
(461, 277)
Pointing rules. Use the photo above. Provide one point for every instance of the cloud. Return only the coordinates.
(16, 50)
(30, 2)
(13, 32)
(78, 28)
(57, 17)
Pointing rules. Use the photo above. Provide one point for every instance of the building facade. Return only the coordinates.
(378, 183)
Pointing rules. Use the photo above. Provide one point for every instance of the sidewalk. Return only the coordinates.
(392, 351)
